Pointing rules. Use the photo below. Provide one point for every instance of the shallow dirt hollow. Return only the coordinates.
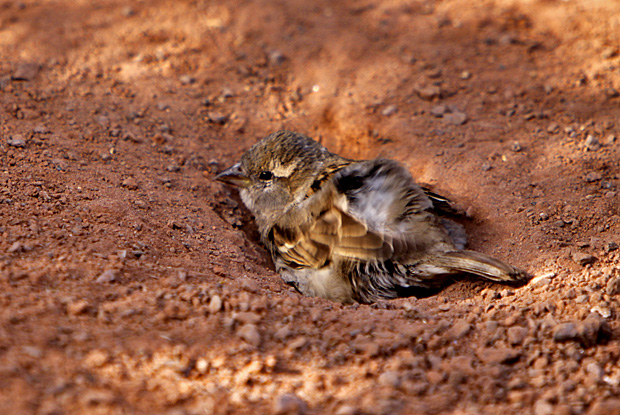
(131, 282)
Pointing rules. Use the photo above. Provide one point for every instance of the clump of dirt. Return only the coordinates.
(131, 282)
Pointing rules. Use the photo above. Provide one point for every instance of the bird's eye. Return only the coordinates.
(265, 175)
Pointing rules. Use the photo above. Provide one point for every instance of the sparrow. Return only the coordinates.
(352, 230)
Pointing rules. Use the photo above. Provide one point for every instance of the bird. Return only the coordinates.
(353, 231)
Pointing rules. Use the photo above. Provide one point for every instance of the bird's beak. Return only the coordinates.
(234, 176)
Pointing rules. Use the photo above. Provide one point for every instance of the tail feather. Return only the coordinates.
(477, 263)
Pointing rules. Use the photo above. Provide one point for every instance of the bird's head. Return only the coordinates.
(276, 173)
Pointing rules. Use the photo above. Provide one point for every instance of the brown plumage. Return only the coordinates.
(352, 230)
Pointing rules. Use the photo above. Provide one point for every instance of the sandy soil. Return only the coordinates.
(131, 282)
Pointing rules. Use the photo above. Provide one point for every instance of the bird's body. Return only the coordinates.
(351, 230)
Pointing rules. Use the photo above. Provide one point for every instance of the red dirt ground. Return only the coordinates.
(131, 282)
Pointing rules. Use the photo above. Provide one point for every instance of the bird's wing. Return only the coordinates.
(333, 232)
(370, 210)
(382, 195)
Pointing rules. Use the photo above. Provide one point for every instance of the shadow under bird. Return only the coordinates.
(352, 230)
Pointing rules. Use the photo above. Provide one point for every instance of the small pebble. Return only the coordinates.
(502, 355)
(217, 118)
(459, 330)
(565, 332)
(26, 71)
(249, 333)
(106, 277)
(582, 258)
(455, 118)
(77, 307)
(612, 93)
(390, 378)
(215, 304)
(15, 247)
(289, 404)
(128, 11)
(202, 365)
(130, 183)
(439, 110)
(347, 410)
(516, 335)
(592, 143)
(276, 58)
(593, 176)
(187, 79)
(609, 52)
(553, 128)
(33, 352)
(609, 406)
(542, 407)
(389, 110)
(595, 372)
(613, 286)
(16, 140)
(428, 93)
(40, 129)
(96, 358)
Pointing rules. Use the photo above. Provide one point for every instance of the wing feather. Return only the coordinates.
(370, 210)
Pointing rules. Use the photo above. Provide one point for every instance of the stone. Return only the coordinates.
(595, 373)
(583, 258)
(202, 366)
(15, 247)
(592, 143)
(439, 110)
(249, 333)
(458, 331)
(502, 355)
(187, 79)
(613, 286)
(553, 128)
(428, 93)
(593, 330)
(298, 343)
(130, 183)
(389, 110)
(96, 358)
(215, 304)
(610, 406)
(565, 332)
(347, 410)
(247, 317)
(516, 335)
(16, 140)
(217, 118)
(26, 71)
(592, 177)
(455, 118)
(276, 58)
(542, 407)
(390, 378)
(106, 277)
(75, 308)
(289, 404)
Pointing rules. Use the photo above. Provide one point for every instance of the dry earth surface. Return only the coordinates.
(131, 282)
